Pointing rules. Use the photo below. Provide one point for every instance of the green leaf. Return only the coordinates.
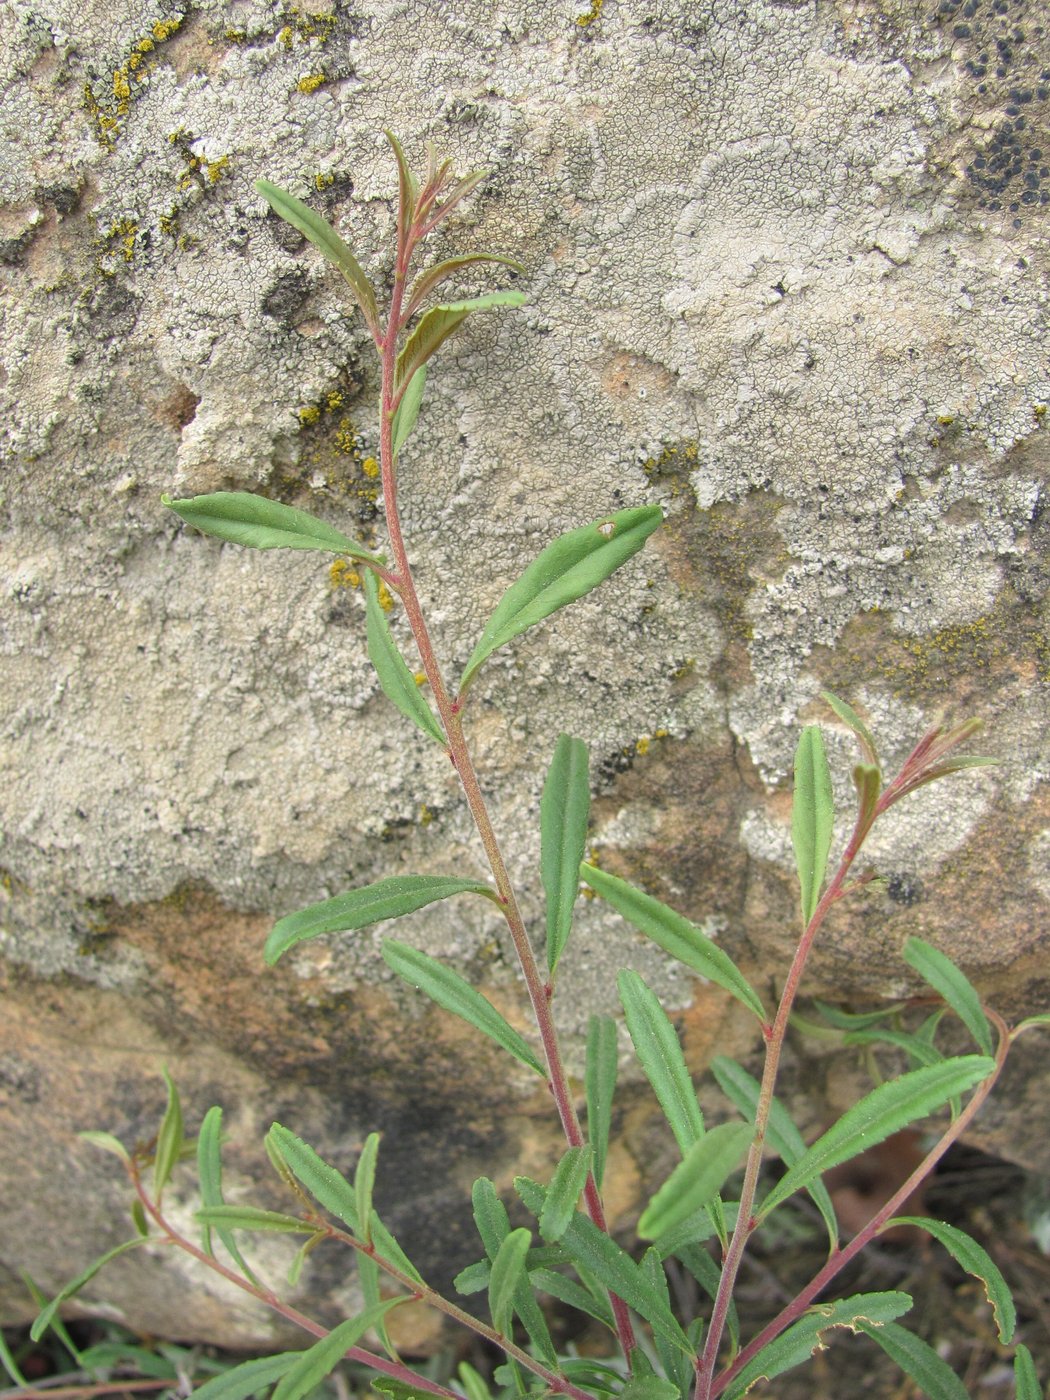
(247, 1379)
(569, 1292)
(600, 1085)
(10, 1365)
(473, 1382)
(564, 808)
(386, 899)
(570, 1177)
(1028, 1387)
(812, 817)
(398, 682)
(884, 1111)
(252, 1218)
(455, 994)
(742, 1089)
(387, 1247)
(322, 235)
(490, 1215)
(597, 1253)
(849, 717)
(660, 1055)
(676, 1365)
(697, 1179)
(244, 518)
(675, 935)
(438, 324)
(853, 1020)
(43, 1321)
(320, 1180)
(209, 1170)
(431, 277)
(650, 1388)
(956, 989)
(918, 1048)
(364, 1181)
(170, 1139)
(107, 1143)
(408, 189)
(917, 1359)
(798, 1343)
(868, 781)
(324, 1356)
(407, 410)
(969, 1255)
(508, 1272)
(571, 566)
(368, 1276)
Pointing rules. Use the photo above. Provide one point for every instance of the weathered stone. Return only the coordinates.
(785, 277)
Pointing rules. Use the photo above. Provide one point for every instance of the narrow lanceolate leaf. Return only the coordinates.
(324, 1356)
(249, 1378)
(886, 1110)
(244, 518)
(387, 1247)
(386, 899)
(742, 1089)
(364, 1181)
(169, 1139)
(108, 1143)
(1025, 1378)
(595, 1253)
(252, 1218)
(798, 1343)
(969, 1255)
(508, 1272)
(570, 1177)
(650, 1388)
(569, 1292)
(322, 235)
(408, 188)
(438, 324)
(490, 1216)
(812, 817)
(432, 277)
(398, 683)
(320, 1180)
(916, 1047)
(209, 1171)
(697, 1179)
(868, 781)
(849, 717)
(956, 989)
(43, 1321)
(564, 808)
(568, 568)
(407, 411)
(660, 1055)
(917, 1359)
(600, 1085)
(455, 994)
(675, 935)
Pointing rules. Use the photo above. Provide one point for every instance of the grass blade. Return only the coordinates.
(568, 568)
(799, 1342)
(953, 985)
(564, 809)
(600, 1085)
(455, 994)
(812, 817)
(976, 1260)
(386, 899)
(675, 935)
(917, 1359)
(241, 517)
(884, 1111)
(398, 682)
(697, 1179)
(322, 235)
(660, 1056)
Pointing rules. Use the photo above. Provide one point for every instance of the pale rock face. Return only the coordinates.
(786, 277)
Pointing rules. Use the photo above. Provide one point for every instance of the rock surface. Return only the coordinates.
(786, 277)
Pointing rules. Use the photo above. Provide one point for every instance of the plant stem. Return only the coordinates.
(839, 1258)
(746, 1223)
(539, 991)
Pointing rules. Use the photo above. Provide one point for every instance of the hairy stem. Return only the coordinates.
(539, 990)
(839, 1258)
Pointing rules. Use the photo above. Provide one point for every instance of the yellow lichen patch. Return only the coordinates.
(108, 111)
(386, 601)
(370, 467)
(311, 82)
(342, 574)
(674, 466)
(591, 16)
(420, 678)
(310, 414)
(322, 180)
(426, 816)
(331, 456)
(165, 28)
